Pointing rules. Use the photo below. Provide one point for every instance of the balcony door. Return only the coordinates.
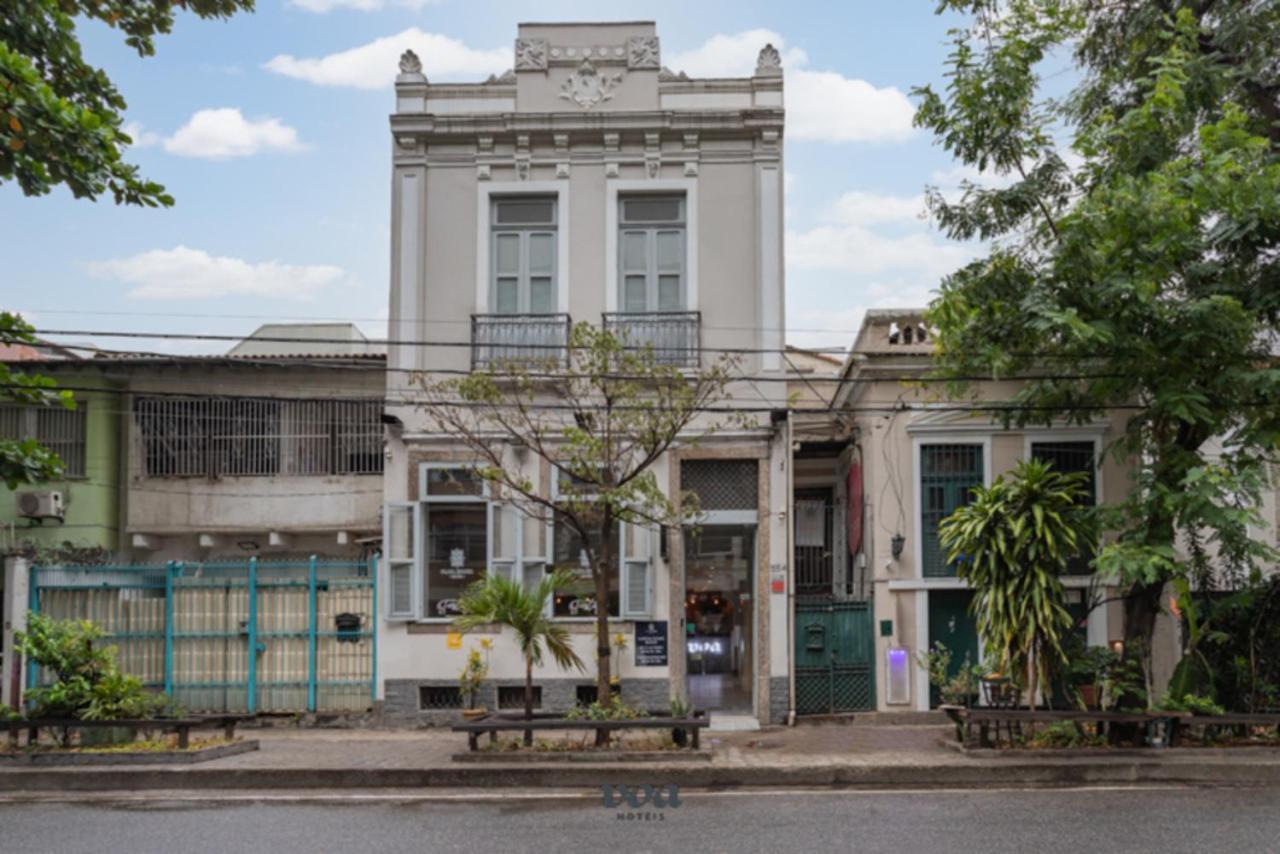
(651, 253)
(523, 255)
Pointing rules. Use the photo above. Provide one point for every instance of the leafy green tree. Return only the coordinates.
(24, 461)
(500, 601)
(598, 420)
(1011, 543)
(1133, 261)
(60, 117)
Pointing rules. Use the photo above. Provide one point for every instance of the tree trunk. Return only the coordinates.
(528, 699)
(602, 567)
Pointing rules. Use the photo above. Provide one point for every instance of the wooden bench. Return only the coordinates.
(182, 726)
(494, 724)
(966, 719)
(1233, 721)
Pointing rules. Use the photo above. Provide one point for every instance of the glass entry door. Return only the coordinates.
(719, 616)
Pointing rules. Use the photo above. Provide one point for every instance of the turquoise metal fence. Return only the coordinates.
(249, 635)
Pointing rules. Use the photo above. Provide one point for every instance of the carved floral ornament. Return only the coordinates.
(531, 54)
(587, 87)
(409, 63)
(769, 62)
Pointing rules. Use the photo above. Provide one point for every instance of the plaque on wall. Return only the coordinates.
(651, 644)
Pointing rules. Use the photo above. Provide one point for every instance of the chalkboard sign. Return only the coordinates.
(651, 644)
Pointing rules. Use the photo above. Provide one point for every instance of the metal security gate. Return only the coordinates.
(835, 656)
(232, 636)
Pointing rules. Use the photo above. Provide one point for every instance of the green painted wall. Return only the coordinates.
(92, 502)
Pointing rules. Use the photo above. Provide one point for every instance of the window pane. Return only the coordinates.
(399, 545)
(508, 301)
(532, 575)
(540, 299)
(633, 254)
(651, 209)
(457, 554)
(633, 294)
(670, 251)
(506, 254)
(669, 293)
(578, 600)
(542, 253)
(525, 211)
(535, 536)
(457, 481)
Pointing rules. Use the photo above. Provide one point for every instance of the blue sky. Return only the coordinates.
(271, 132)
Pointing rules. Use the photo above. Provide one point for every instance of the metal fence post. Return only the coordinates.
(33, 606)
(373, 637)
(311, 634)
(168, 628)
(251, 701)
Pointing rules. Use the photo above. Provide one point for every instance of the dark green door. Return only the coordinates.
(951, 624)
(835, 656)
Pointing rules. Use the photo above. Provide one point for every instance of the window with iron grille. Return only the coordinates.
(56, 428)
(1068, 458)
(721, 484)
(948, 474)
(439, 697)
(210, 437)
(512, 696)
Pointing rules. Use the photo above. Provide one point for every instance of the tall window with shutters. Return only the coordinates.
(1070, 457)
(523, 263)
(651, 243)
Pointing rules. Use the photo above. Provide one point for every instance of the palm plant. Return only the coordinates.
(1011, 543)
(501, 601)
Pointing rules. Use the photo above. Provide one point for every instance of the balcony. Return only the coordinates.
(675, 336)
(519, 339)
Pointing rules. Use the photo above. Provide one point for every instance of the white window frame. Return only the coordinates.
(486, 191)
(657, 187)
(625, 607)
(1049, 437)
(423, 521)
(416, 517)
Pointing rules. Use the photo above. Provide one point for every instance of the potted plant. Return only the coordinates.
(679, 709)
(1086, 673)
(469, 682)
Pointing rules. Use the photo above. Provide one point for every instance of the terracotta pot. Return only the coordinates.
(1089, 694)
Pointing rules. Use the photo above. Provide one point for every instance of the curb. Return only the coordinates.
(190, 757)
(985, 776)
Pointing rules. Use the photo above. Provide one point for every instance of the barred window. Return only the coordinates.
(1069, 458)
(721, 484)
(211, 437)
(58, 429)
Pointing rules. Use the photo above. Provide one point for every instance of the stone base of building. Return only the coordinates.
(408, 702)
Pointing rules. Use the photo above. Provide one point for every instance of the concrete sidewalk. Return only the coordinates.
(832, 755)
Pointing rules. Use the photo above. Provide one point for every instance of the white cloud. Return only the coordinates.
(374, 65)
(858, 250)
(858, 208)
(222, 133)
(141, 137)
(823, 106)
(322, 7)
(183, 273)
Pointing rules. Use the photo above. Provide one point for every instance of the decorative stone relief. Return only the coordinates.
(691, 169)
(562, 170)
(611, 170)
(587, 87)
(484, 172)
(522, 170)
(666, 75)
(506, 78)
(611, 54)
(651, 168)
(642, 52)
(531, 55)
(769, 62)
(409, 63)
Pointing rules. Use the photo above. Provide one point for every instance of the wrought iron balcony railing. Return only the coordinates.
(523, 339)
(675, 336)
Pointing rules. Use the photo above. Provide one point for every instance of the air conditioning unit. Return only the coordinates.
(45, 504)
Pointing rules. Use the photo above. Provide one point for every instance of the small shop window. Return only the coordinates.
(512, 696)
(431, 697)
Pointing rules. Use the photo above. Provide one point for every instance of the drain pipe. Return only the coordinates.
(791, 585)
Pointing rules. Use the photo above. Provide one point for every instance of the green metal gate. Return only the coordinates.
(834, 656)
(251, 635)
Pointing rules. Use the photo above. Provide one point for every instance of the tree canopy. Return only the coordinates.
(61, 119)
(1134, 229)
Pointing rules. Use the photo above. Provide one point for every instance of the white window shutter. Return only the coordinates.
(401, 524)
(637, 588)
(504, 569)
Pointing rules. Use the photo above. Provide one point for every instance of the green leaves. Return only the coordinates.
(61, 118)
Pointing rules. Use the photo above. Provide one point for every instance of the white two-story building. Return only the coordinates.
(590, 183)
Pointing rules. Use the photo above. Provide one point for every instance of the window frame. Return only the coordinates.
(616, 187)
(652, 268)
(28, 423)
(524, 232)
(1093, 437)
(488, 190)
(424, 502)
(917, 461)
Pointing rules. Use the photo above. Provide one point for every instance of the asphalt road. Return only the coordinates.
(1121, 820)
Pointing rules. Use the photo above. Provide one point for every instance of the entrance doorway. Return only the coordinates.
(719, 616)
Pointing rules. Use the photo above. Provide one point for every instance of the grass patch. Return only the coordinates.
(161, 744)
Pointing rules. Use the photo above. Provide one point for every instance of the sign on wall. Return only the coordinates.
(651, 644)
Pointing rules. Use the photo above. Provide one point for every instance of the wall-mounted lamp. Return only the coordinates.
(895, 545)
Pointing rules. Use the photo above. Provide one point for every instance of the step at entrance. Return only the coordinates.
(729, 722)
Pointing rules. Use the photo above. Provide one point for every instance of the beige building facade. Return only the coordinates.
(589, 183)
